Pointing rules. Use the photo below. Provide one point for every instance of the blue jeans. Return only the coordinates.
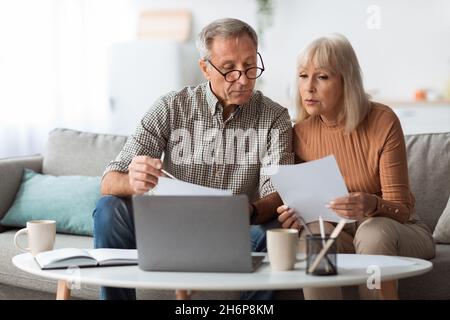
(114, 228)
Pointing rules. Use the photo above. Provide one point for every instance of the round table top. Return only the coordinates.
(353, 269)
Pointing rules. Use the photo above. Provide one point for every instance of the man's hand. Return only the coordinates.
(143, 173)
(287, 218)
(354, 206)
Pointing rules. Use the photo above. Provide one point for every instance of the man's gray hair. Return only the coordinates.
(223, 28)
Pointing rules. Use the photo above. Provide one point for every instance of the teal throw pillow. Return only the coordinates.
(69, 200)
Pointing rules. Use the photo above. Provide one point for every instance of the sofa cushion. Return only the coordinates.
(442, 231)
(429, 172)
(69, 200)
(430, 285)
(71, 152)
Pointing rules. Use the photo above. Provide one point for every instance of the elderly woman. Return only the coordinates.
(336, 117)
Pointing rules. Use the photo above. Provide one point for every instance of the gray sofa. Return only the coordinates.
(70, 152)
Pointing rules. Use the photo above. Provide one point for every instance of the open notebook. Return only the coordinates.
(70, 257)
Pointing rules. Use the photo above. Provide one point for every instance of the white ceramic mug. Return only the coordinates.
(282, 247)
(41, 236)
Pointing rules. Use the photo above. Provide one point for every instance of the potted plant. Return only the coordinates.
(264, 17)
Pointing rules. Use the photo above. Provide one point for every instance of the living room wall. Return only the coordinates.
(53, 59)
(402, 44)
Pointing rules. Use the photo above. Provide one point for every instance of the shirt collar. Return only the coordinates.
(213, 102)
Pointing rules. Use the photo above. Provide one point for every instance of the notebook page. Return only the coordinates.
(113, 254)
(48, 257)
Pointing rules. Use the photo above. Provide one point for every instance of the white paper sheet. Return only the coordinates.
(172, 187)
(307, 187)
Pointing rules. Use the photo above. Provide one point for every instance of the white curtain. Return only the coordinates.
(53, 67)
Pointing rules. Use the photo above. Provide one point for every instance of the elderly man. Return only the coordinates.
(196, 128)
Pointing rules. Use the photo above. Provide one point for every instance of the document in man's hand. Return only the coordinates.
(307, 187)
(69, 257)
(172, 187)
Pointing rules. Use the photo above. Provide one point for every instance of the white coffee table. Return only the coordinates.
(352, 270)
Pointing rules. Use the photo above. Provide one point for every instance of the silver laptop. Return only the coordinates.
(193, 233)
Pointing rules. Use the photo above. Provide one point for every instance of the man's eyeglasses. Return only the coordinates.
(234, 75)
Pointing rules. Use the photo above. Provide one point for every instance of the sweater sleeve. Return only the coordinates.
(396, 200)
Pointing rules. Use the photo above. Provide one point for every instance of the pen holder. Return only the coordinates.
(328, 264)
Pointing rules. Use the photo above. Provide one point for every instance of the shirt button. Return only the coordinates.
(217, 173)
(396, 210)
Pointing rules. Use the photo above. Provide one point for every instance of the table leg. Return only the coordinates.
(388, 290)
(63, 291)
(183, 294)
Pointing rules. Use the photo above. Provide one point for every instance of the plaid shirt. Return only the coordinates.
(187, 129)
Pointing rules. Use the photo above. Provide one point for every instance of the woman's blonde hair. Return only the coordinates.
(336, 54)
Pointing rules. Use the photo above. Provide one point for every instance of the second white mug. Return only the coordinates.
(41, 236)
(282, 247)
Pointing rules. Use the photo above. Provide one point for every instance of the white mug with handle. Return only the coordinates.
(41, 236)
(282, 247)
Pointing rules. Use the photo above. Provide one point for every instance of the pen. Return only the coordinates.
(168, 174)
(324, 250)
(322, 230)
(303, 223)
(322, 235)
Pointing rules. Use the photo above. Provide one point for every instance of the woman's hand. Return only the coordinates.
(355, 206)
(287, 218)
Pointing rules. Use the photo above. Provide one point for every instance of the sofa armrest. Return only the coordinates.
(11, 170)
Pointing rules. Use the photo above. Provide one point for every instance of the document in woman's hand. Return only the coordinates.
(307, 187)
